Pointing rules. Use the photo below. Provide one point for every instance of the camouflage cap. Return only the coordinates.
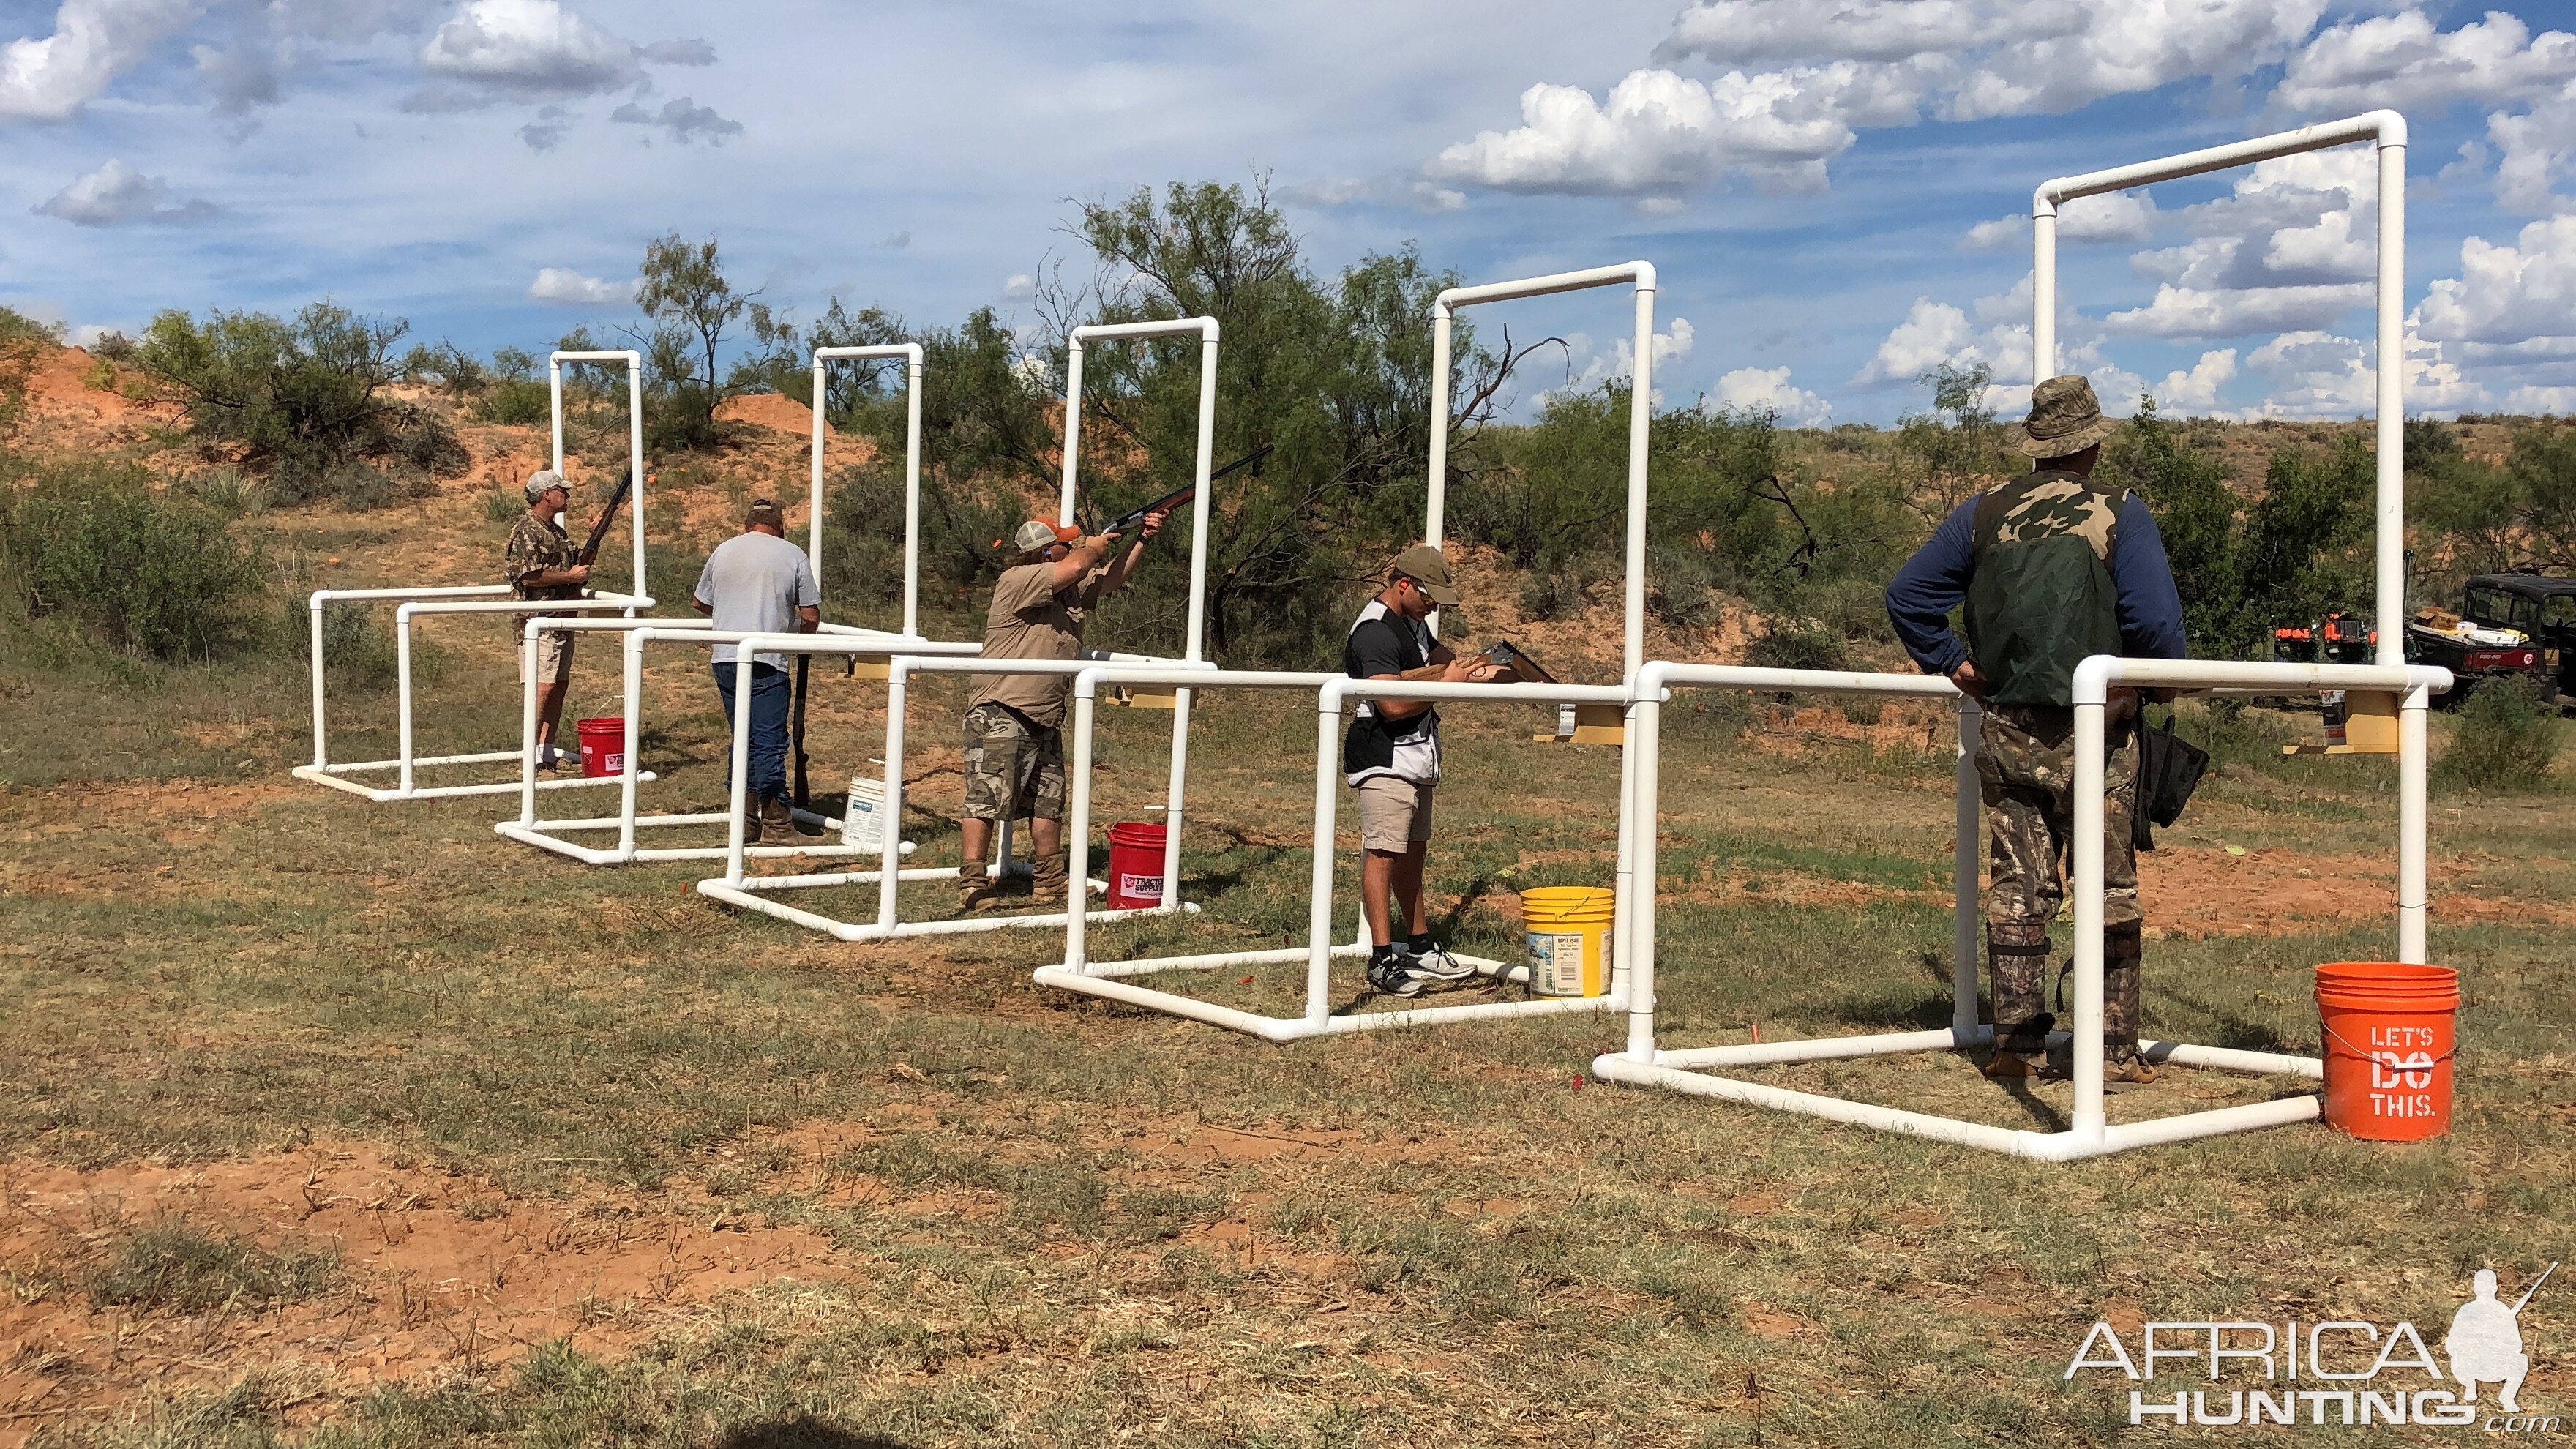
(542, 482)
(2064, 418)
(1423, 564)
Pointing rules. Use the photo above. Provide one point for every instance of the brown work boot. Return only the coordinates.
(2021, 1050)
(1050, 881)
(2124, 1067)
(977, 889)
(751, 823)
(777, 822)
(2008, 1066)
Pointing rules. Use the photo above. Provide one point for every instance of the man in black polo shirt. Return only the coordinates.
(1391, 755)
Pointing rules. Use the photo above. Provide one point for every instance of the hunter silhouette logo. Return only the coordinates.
(2339, 1373)
(2485, 1341)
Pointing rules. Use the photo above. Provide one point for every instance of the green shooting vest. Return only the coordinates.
(2040, 596)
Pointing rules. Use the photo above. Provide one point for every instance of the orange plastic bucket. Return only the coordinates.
(2389, 1032)
(603, 747)
(1135, 866)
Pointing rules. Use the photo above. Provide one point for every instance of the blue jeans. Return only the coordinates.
(770, 692)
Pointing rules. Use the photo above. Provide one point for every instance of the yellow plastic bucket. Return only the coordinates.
(1569, 939)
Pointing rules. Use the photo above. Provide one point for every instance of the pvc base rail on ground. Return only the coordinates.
(639, 634)
(738, 888)
(1112, 980)
(2089, 1133)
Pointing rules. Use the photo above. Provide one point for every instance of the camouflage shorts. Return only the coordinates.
(1014, 769)
(2026, 769)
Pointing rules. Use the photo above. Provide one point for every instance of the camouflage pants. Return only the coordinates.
(2026, 775)
(1014, 769)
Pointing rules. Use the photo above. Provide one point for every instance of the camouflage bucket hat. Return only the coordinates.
(2065, 418)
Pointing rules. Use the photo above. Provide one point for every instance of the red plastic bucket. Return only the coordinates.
(603, 747)
(1135, 866)
(2389, 1030)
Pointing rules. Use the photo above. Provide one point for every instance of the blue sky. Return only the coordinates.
(1835, 196)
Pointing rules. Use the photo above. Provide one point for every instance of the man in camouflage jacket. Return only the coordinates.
(2051, 567)
(542, 562)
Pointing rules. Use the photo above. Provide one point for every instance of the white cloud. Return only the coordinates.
(1853, 66)
(681, 120)
(1019, 288)
(2323, 375)
(1657, 133)
(93, 42)
(1767, 390)
(2111, 216)
(2122, 49)
(1588, 368)
(2538, 148)
(563, 284)
(2401, 60)
(2508, 294)
(2237, 312)
(529, 49)
(118, 195)
(522, 50)
(2196, 391)
(1931, 334)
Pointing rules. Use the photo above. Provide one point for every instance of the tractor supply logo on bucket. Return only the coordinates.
(1141, 887)
(2335, 1374)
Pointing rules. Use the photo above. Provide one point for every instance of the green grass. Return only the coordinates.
(179, 1267)
(1031, 1244)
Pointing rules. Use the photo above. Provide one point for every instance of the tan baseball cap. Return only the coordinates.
(1037, 533)
(1430, 572)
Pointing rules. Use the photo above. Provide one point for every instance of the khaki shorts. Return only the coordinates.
(554, 658)
(1395, 815)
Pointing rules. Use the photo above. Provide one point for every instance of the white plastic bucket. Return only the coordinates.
(863, 819)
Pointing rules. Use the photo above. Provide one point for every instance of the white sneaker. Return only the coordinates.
(1436, 964)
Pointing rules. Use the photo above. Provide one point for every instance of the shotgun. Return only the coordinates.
(599, 529)
(1126, 523)
(796, 730)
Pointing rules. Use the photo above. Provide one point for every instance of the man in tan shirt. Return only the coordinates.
(1015, 722)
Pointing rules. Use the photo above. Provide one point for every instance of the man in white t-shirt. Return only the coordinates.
(758, 582)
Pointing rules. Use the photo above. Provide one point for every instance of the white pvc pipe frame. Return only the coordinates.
(910, 352)
(1641, 412)
(411, 603)
(2388, 130)
(749, 892)
(528, 829)
(2088, 1133)
(544, 834)
(1103, 979)
(737, 890)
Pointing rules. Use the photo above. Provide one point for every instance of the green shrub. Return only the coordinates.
(230, 492)
(2506, 739)
(305, 397)
(1798, 644)
(153, 573)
